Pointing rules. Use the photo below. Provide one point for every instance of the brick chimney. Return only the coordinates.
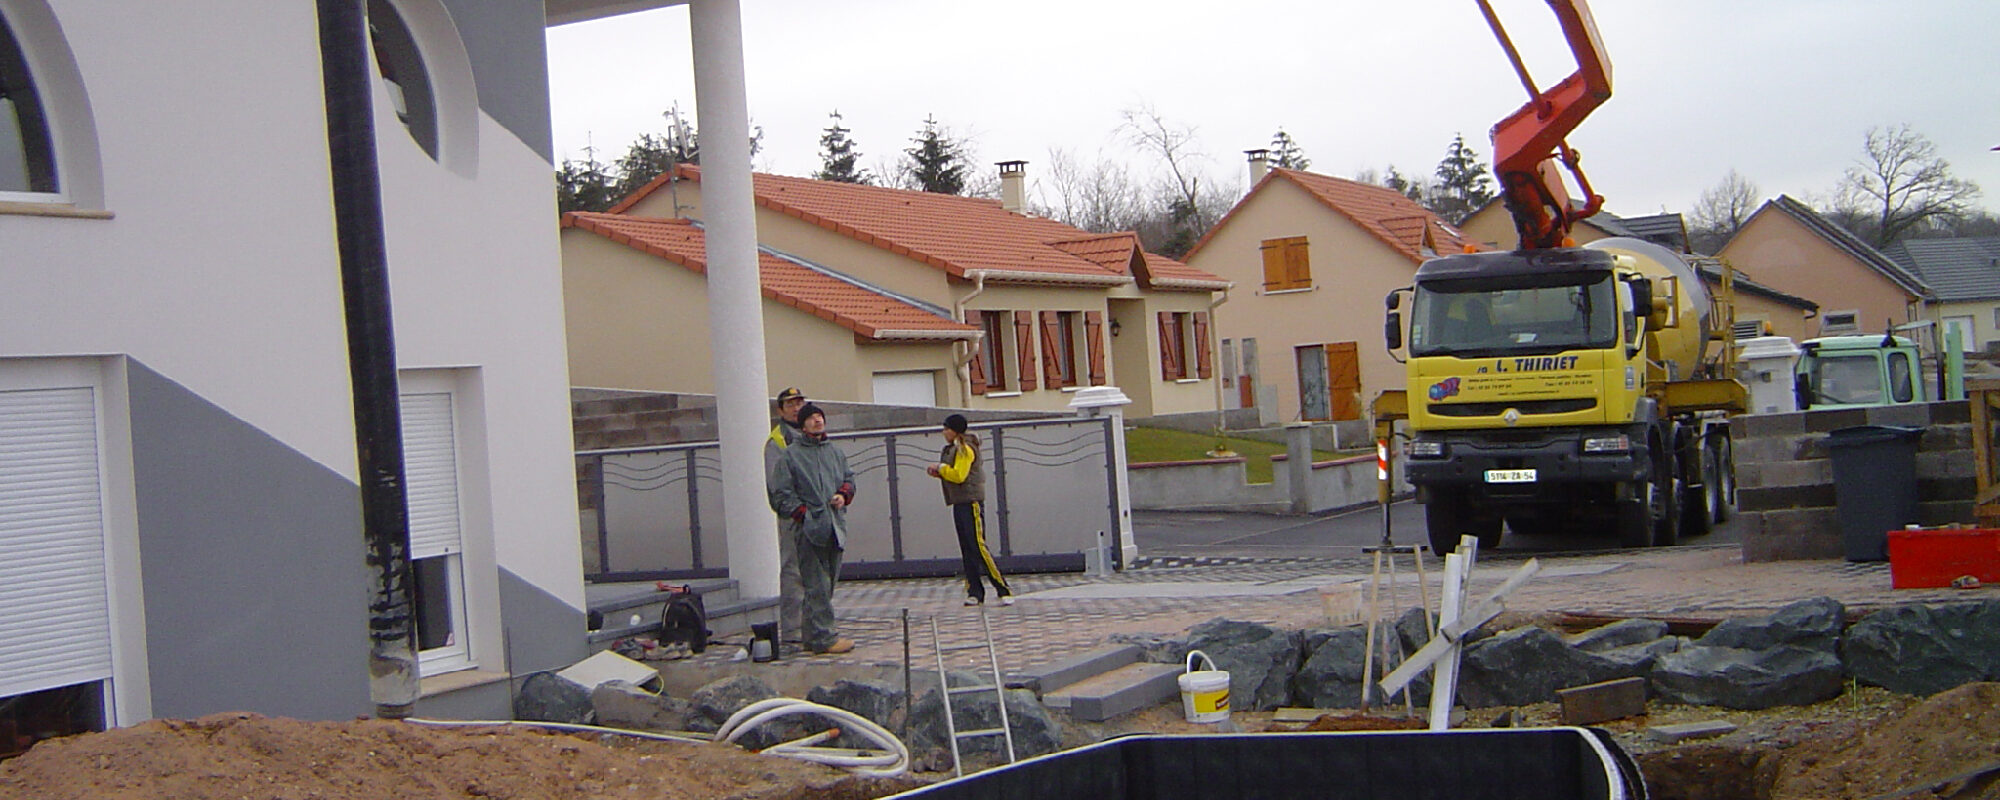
(1260, 163)
(1013, 186)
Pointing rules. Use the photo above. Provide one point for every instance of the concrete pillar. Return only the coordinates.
(1299, 464)
(735, 301)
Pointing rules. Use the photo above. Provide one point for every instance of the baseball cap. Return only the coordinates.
(790, 393)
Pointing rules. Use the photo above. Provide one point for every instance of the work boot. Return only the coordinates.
(837, 647)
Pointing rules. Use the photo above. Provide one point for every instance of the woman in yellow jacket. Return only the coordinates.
(961, 469)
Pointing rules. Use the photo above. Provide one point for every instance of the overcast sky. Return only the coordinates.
(1780, 90)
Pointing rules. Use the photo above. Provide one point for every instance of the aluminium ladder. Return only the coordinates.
(998, 688)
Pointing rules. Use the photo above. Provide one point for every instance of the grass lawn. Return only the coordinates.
(1144, 445)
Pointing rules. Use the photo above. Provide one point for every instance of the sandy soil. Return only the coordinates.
(1867, 743)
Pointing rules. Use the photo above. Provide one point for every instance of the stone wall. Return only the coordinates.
(1784, 477)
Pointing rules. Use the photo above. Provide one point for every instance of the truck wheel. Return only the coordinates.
(1667, 523)
(1725, 469)
(1450, 515)
(1634, 519)
(1698, 503)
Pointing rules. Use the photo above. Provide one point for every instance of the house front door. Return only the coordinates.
(1343, 380)
(1313, 401)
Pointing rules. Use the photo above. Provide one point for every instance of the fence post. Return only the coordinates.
(1299, 465)
(895, 499)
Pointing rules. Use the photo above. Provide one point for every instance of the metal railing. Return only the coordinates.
(1051, 488)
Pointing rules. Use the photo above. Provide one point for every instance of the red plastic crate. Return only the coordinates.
(1932, 559)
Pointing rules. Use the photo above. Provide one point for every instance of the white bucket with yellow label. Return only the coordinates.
(1205, 692)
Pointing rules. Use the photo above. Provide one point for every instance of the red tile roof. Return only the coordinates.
(1381, 211)
(960, 235)
(870, 313)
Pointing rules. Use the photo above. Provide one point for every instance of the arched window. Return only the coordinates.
(402, 67)
(27, 153)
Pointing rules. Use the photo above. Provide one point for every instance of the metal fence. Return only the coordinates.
(1051, 489)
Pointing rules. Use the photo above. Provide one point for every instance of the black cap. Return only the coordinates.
(955, 422)
(809, 410)
(790, 393)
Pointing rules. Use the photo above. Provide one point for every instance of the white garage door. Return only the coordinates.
(906, 388)
(55, 627)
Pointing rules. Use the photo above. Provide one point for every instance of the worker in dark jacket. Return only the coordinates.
(961, 469)
(812, 481)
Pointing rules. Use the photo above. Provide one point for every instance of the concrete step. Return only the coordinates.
(1049, 676)
(1120, 691)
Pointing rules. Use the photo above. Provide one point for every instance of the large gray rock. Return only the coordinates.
(1525, 665)
(1331, 675)
(1926, 649)
(1261, 660)
(548, 697)
(1156, 648)
(1620, 634)
(621, 705)
(1035, 731)
(1637, 660)
(1812, 624)
(878, 703)
(1733, 677)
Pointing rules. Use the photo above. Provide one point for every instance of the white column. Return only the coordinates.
(735, 304)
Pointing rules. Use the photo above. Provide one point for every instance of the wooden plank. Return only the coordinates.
(1599, 702)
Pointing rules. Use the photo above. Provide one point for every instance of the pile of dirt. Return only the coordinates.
(1953, 734)
(246, 755)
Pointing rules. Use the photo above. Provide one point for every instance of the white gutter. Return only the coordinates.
(978, 277)
(1190, 283)
(928, 335)
(1051, 277)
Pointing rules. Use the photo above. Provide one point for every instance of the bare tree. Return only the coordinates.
(1905, 184)
(1187, 204)
(1721, 212)
(1099, 196)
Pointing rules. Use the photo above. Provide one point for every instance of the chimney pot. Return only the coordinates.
(1260, 163)
(1013, 186)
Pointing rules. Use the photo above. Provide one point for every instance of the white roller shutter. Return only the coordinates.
(55, 626)
(430, 466)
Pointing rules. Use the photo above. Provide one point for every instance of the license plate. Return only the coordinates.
(1510, 476)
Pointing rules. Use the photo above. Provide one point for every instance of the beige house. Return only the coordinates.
(1964, 274)
(1789, 248)
(892, 296)
(1322, 253)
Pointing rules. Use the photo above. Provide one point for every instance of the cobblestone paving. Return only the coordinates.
(1169, 596)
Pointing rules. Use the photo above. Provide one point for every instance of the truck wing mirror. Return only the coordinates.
(1392, 329)
(1395, 299)
(1642, 297)
(1802, 388)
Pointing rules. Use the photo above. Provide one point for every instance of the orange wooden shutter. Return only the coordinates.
(1274, 263)
(978, 353)
(1093, 334)
(1051, 351)
(1201, 360)
(1298, 264)
(1170, 356)
(1024, 347)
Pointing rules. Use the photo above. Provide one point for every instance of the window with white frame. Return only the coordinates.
(27, 150)
(1848, 321)
(437, 541)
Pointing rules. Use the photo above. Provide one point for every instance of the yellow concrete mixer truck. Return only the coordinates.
(1557, 387)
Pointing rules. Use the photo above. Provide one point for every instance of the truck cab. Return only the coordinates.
(1859, 371)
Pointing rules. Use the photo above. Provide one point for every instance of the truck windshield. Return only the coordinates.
(1525, 314)
(1843, 380)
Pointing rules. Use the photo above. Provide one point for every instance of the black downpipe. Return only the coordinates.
(371, 354)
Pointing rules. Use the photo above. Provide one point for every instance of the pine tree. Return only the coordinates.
(1462, 183)
(837, 155)
(1404, 186)
(584, 185)
(1286, 153)
(935, 162)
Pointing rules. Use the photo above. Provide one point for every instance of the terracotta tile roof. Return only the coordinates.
(1381, 211)
(872, 312)
(959, 235)
(1120, 253)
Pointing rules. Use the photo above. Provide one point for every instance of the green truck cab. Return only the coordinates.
(1863, 370)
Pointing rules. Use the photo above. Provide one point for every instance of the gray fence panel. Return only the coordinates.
(1057, 495)
(927, 530)
(646, 510)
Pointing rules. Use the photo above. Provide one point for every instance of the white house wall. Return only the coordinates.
(217, 275)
